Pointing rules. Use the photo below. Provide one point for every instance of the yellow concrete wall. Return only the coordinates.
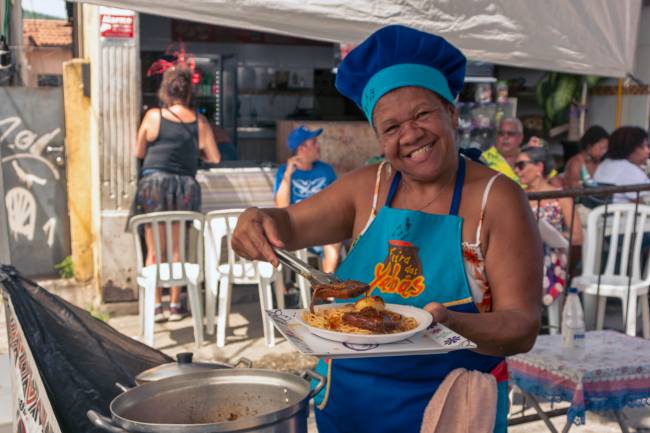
(78, 156)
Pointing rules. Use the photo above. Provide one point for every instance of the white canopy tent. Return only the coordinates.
(596, 37)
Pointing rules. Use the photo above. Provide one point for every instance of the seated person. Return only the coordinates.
(533, 167)
(582, 166)
(302, 176)
(553, 178)
(625, 162)
(226, 148)
(502, 156)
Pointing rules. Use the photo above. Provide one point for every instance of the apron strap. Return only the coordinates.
(393, 188)
(458, 187)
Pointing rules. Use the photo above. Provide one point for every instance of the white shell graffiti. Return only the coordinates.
(21, 212)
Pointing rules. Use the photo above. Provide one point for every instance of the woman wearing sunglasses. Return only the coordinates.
(533, 166)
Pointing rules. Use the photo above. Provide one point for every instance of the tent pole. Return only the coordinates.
(583, 109)
(619, 102)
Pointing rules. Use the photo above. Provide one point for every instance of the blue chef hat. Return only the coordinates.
(397, 56)
(300, 135)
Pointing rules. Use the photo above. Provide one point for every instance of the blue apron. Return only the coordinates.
(407, 257)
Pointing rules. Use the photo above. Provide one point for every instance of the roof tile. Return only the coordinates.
(47, 33)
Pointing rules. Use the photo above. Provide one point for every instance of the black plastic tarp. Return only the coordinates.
(79, 358)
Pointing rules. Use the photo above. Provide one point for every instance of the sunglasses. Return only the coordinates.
(508, 133)
(520, 165)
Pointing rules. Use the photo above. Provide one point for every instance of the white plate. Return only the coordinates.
(423, 318)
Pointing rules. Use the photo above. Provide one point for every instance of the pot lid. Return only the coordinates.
(183, 365)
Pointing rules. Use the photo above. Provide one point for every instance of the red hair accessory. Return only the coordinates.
(181, 59)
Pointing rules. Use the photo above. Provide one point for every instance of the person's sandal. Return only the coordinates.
(158, 316)
(176, 313)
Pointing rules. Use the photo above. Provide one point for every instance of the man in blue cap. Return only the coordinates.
(433, 230)
(303, 175)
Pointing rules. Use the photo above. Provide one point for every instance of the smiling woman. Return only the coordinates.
(432, 230)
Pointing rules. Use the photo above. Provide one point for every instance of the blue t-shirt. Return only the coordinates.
(304, 184)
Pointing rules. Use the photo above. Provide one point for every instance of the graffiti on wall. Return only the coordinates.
(34, 190)
(19, 200)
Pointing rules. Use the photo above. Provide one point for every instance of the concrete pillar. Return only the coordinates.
(16, 42)
(115, 102)
(79, 175)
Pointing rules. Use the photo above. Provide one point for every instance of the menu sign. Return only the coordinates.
(32, 410)
(116, 26)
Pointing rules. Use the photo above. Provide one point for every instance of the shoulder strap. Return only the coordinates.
(393, 188)
(486, 193)
(458, 186)
(185, 127)
(375, 196)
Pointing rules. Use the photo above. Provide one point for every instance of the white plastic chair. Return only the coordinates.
(186, 272)
(614, 279)
(221, 274)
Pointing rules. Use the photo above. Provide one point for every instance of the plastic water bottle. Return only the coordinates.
(573, 324)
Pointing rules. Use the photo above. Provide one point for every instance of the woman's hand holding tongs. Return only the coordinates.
(255, 235)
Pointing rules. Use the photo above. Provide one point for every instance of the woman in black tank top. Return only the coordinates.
(170, 141)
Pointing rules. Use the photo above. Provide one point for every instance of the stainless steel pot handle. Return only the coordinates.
(244, 362)
(322, 381)
(121, 387)
(103, 422)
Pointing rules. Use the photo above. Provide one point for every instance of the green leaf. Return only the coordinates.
(65, 268)
(542, 91)
(549, 109)
(592, 80)
(564, 92)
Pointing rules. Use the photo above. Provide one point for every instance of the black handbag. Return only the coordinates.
(593, 201)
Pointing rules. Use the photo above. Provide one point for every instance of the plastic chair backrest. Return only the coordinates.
(620, 227)
(177, 274)
(220, 225)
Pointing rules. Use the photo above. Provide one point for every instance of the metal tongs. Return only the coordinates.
(326, 285)
(313, 275)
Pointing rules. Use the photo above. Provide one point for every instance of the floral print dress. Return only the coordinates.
(555, 259)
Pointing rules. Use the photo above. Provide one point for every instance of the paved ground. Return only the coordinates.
(245, 339)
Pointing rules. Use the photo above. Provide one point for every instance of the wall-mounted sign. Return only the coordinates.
(116, 26)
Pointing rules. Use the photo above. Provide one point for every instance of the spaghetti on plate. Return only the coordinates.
(366, 316)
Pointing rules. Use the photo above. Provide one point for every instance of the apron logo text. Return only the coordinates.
(387, 280)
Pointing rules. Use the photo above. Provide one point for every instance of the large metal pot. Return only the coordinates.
(233, 400)
(184, 365)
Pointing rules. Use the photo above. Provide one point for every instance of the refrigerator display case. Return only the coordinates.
(214, 89)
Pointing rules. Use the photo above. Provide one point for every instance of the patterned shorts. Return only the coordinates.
(160, 191)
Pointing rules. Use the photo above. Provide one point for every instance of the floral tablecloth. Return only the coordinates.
(612, 373)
